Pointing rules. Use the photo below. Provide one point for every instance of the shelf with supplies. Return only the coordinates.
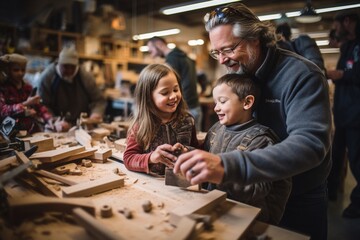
(112, 55)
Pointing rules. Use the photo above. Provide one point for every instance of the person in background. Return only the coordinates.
(235, 98)
(186, 68)
(294, 103)
(303, 45)
(18, 99)
(346, 78)
(68, 90)
(161, 122)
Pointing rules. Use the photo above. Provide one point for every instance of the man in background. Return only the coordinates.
(346, 78)
(68, 90)
(186, 68)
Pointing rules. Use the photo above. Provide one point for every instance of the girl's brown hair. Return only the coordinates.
(145, 116)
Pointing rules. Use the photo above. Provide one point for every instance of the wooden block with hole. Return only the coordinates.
(89, 188)
(204, 204)
(43, 143)
(57, 154)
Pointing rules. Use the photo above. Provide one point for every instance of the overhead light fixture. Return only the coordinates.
(324, 10)
(308, 14)
(270, 17)
(156, 34)
(190, 6)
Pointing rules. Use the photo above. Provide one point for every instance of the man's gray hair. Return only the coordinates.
(245, 23)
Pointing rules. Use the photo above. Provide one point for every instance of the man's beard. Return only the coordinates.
(244, 68)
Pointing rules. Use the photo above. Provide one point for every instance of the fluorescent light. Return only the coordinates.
(322, 42)
(194, 42)
(193, 6)
(332, 9)
(324, 10)
(144, 49)
(171, 45)
(156, 34)
(270, 17)
(329, 50)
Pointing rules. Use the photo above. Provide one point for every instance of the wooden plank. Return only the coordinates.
(34, 204)
(204, 204)
(6, 163)
(89, 188)
(56, 177)
(58, 154)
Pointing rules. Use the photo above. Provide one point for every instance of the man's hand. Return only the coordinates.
(200, 166)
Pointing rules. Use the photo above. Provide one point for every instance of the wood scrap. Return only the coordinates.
(56, 177)
(93, 226)
(83, 138)
(65, 168)
(185, 229)
(7, 163)
(99, 133)
(106, 211)
(101, 155)
(204, 204)
(83, 154)
(89, 188)
(57, 154)
(120, 144)
(28, 206)
(43, 143)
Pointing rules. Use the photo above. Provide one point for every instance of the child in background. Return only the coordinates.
(16, 98)
(235, 99)
(161, 122)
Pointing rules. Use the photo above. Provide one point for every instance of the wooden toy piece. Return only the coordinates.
(89, 188)
(106, 211)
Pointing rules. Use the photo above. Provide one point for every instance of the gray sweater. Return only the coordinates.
(271, 197)
(295, 105)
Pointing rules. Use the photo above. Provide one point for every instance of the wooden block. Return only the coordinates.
(173, 179)
(43, 143)
(6, 163)
(83, 138)
(100, 133)
(120, 144)
(57, 154)
(89, 188)
(34, 204)
(204, 204)
(84, 154)
(101, 155)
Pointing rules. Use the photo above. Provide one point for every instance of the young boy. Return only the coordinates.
(235, 100)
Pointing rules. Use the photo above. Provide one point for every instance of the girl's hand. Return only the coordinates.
(32, 101)
(178, 149)
(163, 154)
(30, 112)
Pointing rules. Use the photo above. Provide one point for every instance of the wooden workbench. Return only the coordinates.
(231, 220)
